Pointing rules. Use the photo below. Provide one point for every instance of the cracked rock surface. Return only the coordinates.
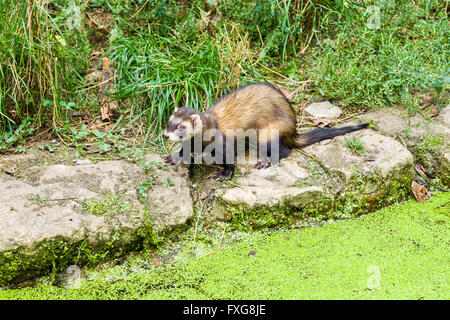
(98, 204)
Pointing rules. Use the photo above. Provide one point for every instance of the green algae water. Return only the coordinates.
(400, 252)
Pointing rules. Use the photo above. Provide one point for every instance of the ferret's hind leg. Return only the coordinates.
(273, 158)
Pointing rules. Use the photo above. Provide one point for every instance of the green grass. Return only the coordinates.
(37, 70)
(400, 252)
(161, 73)
(166, 57)
(284, 28)
(369, 67)
(355, 144)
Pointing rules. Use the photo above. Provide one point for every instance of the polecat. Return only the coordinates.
(255, 106)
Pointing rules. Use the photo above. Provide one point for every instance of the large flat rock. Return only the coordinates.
(410, 130)
(272, 186)
(418, 134)
(71, 212)
(51, 203)
(169, 197)
(381, 155)
(272, 189)
(254, 196)
(332, 180)
(376, 176)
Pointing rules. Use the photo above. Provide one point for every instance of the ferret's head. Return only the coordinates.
(184, 123)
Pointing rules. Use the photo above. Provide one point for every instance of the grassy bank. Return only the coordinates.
(38, 69)
(399, 252)
(171, 53)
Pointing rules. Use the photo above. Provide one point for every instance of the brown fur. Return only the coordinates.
(255, 106)
(260, 106)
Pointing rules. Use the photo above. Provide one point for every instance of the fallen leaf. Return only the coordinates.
(108, 107)
(97, 25)
(433, 111)
(427, 100)
(420, 192)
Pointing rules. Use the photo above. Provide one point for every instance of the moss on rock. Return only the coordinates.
(54, 255)
(404, 245)
(287, 212)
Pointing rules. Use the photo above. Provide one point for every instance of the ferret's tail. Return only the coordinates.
(319, 134)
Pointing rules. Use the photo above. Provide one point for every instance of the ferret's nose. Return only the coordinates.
(165, 135)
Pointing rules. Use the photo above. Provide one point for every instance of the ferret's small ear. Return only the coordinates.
(176, 109)
(196, 121)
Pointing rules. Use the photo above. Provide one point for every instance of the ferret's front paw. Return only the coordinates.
(262, 164)
(168, 159)
(222, 175)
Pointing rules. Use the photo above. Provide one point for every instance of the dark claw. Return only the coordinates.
(262, 164)
(168, 159)
(221, 175)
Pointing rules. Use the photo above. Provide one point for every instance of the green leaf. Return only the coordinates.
(438, 86)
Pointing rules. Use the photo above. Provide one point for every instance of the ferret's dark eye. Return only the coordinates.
(181, 128)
